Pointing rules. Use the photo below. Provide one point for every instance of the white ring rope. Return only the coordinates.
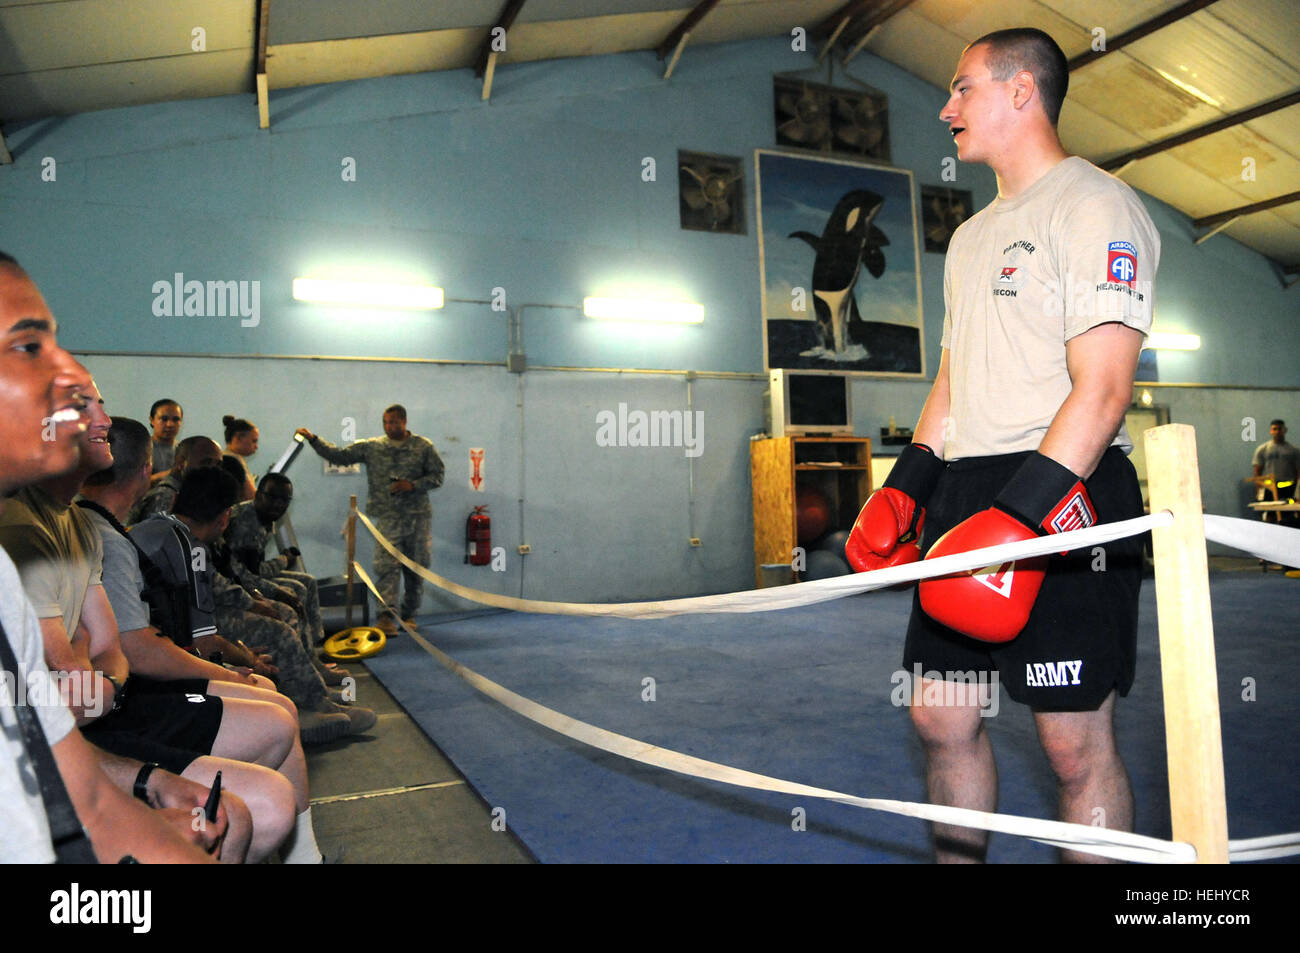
(1263, 540)
(1119, 845)
(1278, 544)
(798, 594)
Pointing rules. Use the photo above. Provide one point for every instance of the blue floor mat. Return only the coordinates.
(804, 695)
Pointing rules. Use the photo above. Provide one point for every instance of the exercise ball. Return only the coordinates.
(835, 542)
(824, 565)
(812, 513)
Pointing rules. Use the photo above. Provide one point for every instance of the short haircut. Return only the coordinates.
(183, 450)
(396, 409)
(9, 261)
(132, 444)
(1011, 51)
(236, 425)
(153, 411)
(274, 479)
(234, 465)
(1277, 423)
(205, 494)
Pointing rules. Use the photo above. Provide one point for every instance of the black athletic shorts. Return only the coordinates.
(143, 685)
(1081, 638)
(171, 729)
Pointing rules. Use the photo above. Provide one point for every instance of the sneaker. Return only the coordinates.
(387, 625)
(411, 623)
(318, 727)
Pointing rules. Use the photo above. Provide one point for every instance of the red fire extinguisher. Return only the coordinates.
(478, 537)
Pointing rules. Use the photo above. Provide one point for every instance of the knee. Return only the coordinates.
(284, 724)
(1072, 759)
(946, 728)
(276, 807)
(285, 702)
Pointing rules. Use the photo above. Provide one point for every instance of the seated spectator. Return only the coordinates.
(234, 465)
(197, 521)
(165, 416)
(40, 380)
(252, 526)
(253, 743)
(241, 442)
(192, 453)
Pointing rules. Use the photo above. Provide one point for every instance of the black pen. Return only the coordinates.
(214, 799)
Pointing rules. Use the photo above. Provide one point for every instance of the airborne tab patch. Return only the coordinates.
(1121, 263)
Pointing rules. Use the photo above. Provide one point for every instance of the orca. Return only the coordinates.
(849, 242)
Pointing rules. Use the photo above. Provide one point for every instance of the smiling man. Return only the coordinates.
(1048, 295)
(42, 403)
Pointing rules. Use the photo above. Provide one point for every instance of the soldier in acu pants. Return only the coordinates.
(401, 469)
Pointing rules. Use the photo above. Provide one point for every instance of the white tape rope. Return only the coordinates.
(1277, 544)
(798, 594)
(1264, 848)
(1118, 845)
(1263, 540)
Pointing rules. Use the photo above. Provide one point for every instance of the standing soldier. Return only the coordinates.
(401, 469)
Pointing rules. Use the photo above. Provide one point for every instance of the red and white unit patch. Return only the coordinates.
(1121, 263)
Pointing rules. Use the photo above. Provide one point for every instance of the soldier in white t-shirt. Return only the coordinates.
(43, 395)
(1048, 295)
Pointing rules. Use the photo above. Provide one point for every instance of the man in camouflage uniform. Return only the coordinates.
(401, 469)
(252, 525)
(192, 453)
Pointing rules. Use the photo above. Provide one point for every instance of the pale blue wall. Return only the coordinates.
(538, 192)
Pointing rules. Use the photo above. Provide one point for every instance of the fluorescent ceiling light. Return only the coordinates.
(643, 309)
(367, 294)
(1162, 341)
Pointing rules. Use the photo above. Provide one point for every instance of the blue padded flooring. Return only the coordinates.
(804, 695)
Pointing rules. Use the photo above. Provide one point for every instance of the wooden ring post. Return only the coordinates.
(352, 552)
(1193, 741)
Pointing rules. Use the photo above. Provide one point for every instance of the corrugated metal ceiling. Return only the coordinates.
(68, 56)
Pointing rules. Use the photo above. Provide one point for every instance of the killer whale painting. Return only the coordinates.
(839, 263)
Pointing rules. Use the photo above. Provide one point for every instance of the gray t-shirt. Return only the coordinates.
(1025, 275)
(1281, 461)
(122, 580)
(24, 830)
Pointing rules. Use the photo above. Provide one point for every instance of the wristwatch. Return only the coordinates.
(118, 689)
(141, 787)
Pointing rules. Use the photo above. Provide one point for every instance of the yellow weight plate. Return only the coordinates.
(352, 644)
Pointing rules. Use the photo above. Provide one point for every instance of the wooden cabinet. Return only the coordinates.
(839, 467)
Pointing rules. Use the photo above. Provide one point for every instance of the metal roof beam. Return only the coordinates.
(263, 93)
(507, 18)
(871, 24)
(1209, 221)
(1172, 15)
(676, 40)
(837, 21)
(1227, 122)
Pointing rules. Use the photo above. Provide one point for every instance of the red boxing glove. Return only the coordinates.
(888, 530)
(993, 604)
